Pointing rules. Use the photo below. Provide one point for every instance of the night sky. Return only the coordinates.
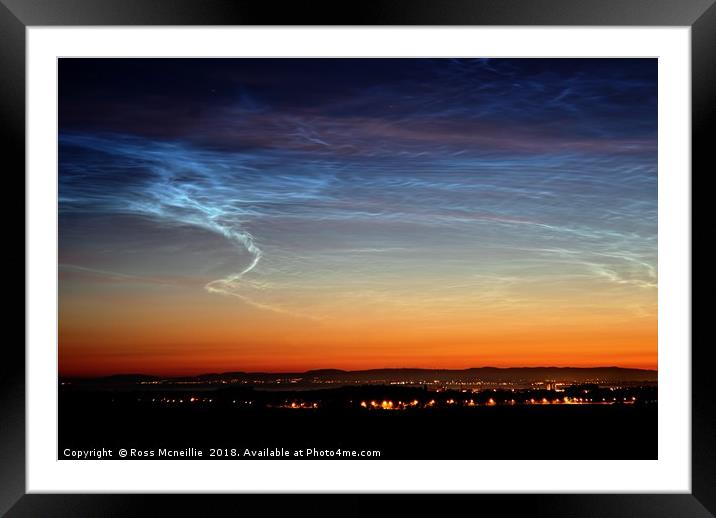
(290, 214)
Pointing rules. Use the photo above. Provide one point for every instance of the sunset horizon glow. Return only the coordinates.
(285, 215)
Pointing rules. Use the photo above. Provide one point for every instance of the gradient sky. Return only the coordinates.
(291, 214)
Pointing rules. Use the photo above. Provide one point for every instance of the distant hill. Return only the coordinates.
(475, 374)
(130, 378)
(489, 374)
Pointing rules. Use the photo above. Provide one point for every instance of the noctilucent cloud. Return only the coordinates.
(305, 213)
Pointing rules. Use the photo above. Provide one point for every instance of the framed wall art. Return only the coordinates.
(417, 248)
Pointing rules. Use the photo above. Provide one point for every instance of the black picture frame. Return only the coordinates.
(16, 15)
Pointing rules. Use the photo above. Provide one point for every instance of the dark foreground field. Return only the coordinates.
(499, 432)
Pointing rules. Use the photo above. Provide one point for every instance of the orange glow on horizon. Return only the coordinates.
(178, 333)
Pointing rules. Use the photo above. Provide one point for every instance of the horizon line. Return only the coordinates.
(207, 373)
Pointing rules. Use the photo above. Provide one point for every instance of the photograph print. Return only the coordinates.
(352, 258)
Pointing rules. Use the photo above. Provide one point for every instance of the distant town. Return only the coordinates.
(402, 413)
(384, 389)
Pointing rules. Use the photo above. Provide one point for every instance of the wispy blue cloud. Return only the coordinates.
(467, 173)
